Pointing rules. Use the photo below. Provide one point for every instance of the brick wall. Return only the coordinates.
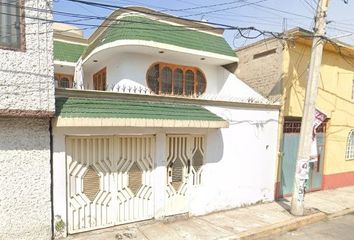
(260, 66)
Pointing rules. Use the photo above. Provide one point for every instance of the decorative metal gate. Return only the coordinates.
(185, 155)
(109, 180)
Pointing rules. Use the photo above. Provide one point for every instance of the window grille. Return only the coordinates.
(349, 152)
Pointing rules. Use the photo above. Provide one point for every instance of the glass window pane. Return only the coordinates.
(178, 82)
(166, 80)
(64, 83)
(201, 83)
(189, 78)
(152, 78)
(10, 24)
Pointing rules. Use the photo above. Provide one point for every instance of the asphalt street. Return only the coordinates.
(341, 228)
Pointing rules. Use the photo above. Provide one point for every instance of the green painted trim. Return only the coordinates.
(142, 28)
(71, 93)
(123, 108)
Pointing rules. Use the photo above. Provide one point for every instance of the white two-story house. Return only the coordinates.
(150, 123)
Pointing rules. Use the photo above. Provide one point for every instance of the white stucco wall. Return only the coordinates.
(26, 77)
(27, 87)
(239, 162)
(240, 167)
(129, 69)
(25, 204)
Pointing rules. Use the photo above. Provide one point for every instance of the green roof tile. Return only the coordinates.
(124, 108)
(142, 28)
(67, 52)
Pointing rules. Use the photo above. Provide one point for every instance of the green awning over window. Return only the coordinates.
(76, 112)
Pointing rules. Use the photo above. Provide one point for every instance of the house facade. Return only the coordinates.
(26, 106)
(278, 69)
(150, 123)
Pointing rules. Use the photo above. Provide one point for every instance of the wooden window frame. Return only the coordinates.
(68, 76)
(22, 47)
(102, 72)
(174, 67)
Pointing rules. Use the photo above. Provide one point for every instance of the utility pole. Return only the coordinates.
(304, 151)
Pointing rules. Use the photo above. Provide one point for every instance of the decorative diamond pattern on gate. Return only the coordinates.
(135, 175)
(109, 180)
(91, 184)
(177, 174)
(197, 160)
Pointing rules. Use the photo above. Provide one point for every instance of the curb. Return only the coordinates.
(287, 226)
(341, 213)
(281, 227)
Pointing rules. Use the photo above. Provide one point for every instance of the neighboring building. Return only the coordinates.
(278, 70)
(26, 106)
(158, 126)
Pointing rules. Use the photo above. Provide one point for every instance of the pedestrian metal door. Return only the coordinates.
(185, 157)
(290, 146)
(109, 180)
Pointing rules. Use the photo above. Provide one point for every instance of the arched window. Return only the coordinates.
(153, 78)
(163, 78)
(63, 80)
(178, 82)
(201, 83)
(166, 80)
(189, 78)
(349, 152)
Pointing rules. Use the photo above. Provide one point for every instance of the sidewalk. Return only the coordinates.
(243, 223)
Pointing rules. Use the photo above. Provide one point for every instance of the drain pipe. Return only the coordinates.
(51, 175)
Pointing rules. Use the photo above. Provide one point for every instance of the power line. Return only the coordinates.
(205, 6)
(243, 31)
(282, 11)
(75, 15)
(227, 27)
(223, 9)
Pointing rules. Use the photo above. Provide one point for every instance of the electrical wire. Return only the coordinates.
(223, 9)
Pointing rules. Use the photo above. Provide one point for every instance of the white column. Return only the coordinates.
(160, 175)
(59, 179)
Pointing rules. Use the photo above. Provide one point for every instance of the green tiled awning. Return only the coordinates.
(67, 52)
(143, 28)
(84, 112)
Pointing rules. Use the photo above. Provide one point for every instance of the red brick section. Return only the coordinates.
(338, 180)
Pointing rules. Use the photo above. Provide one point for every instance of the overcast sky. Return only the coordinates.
(271, 15)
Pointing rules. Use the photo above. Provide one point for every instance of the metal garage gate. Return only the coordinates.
(109, 180)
